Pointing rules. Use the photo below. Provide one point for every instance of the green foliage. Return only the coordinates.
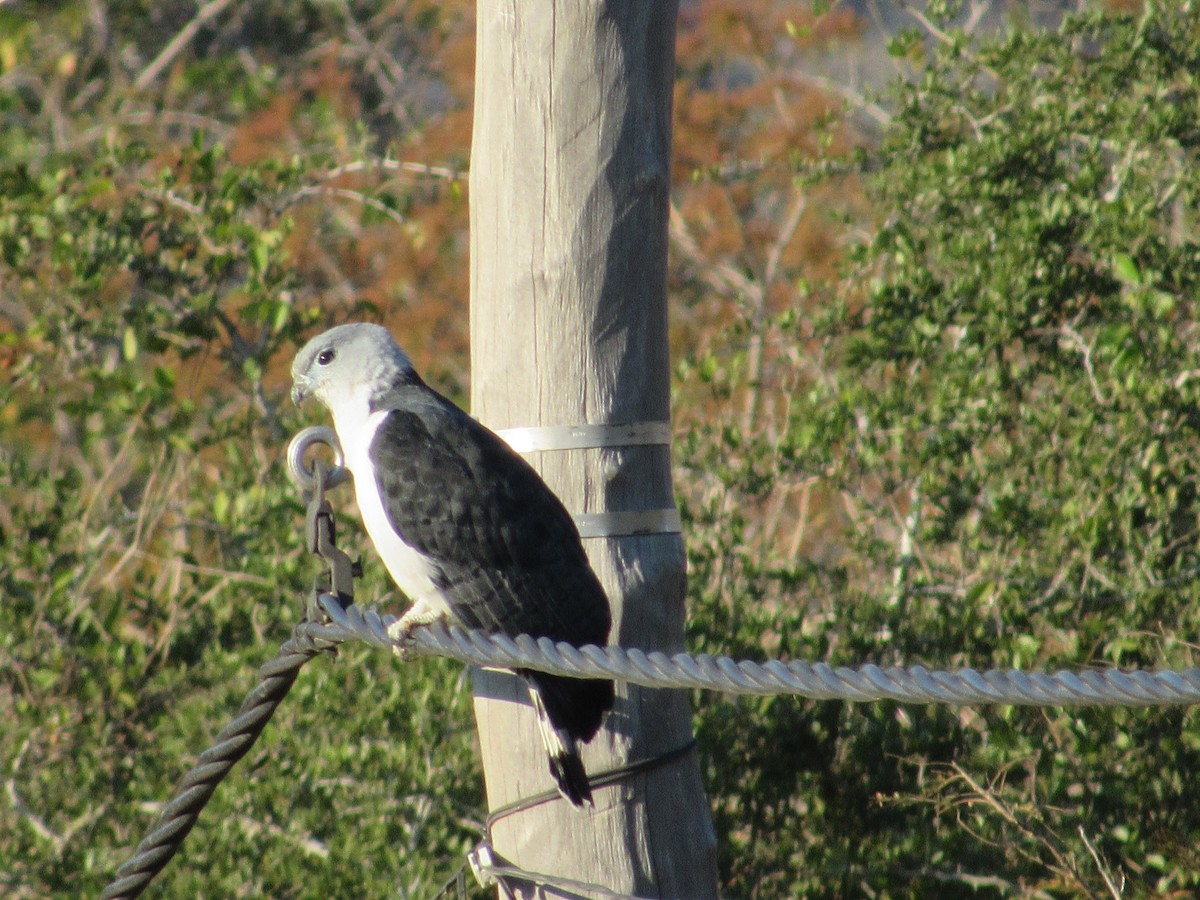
(996, 431)
(974, 444)
(151, 547)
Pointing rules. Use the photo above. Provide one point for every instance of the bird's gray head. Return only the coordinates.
(349, 363)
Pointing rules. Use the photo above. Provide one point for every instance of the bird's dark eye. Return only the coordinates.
(325, 357)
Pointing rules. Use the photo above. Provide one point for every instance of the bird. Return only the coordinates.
(466, 528)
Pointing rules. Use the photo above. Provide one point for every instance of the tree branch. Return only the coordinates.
(175, 46)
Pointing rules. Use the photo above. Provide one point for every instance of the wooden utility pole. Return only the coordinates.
(569, 190)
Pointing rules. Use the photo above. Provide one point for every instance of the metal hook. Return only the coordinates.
(320, 533)
(302, 475)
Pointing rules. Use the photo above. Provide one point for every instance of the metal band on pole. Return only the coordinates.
(626, 524)
(542, 438)
(538, 438)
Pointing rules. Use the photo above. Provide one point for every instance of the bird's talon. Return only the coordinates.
(401, 633)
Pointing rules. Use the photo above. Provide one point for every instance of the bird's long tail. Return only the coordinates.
(569, 710)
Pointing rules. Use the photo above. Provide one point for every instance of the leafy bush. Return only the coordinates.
(988, 457)
(158, 270)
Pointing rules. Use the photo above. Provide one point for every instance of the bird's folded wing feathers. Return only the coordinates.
(506, 554)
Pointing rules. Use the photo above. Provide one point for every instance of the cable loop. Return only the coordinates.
(302, 475)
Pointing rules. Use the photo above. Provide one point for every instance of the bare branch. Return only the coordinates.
(786, 232)
(356, 196)
(944, 37)
(1115, 891)
(720, 277)
(27, 815)
(179, 42)
(852, 97)
(394, 165)
(1070, 336)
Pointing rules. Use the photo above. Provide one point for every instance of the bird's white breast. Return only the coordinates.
(356, 426)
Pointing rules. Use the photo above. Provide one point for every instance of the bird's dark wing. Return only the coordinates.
(506, 553)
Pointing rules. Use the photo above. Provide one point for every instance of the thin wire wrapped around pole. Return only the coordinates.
(197, 786)
(818, 681)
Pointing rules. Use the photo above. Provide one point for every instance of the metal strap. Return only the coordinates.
(624, 524)
(539, 438)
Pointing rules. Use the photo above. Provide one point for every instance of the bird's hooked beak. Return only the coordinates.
(301, 387)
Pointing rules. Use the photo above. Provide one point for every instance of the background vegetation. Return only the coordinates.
(936, 402)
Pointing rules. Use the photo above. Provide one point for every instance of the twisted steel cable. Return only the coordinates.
(818, 681)
(197, 786)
